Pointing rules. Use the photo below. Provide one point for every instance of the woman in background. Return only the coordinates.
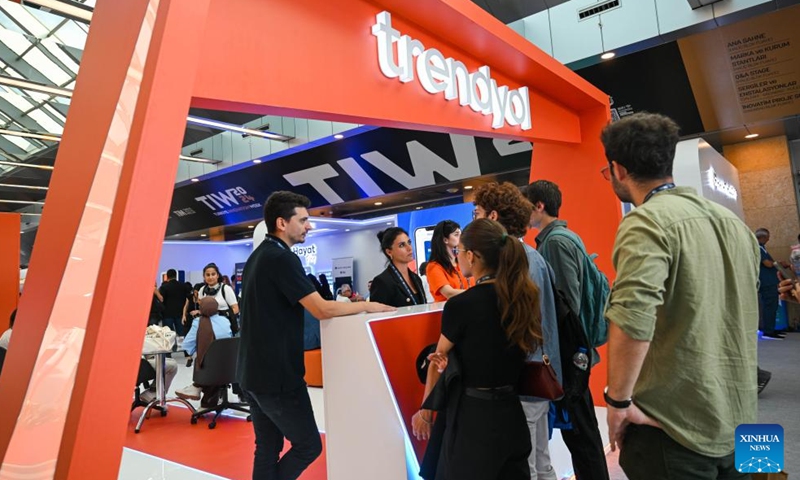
(397, 286)
(223, 294)
(491, 328)
(444, 274)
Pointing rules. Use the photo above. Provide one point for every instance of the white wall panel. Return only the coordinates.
(574, 40)
(537, 30)
(518, 26)
(677, 14)
(633, 22)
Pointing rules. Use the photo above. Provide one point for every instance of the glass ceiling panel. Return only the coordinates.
(45, 66)
(23, 16)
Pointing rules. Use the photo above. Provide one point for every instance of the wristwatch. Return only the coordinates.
(616, 403)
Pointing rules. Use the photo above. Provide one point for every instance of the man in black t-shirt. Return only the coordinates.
(270, 370)
(174, 294)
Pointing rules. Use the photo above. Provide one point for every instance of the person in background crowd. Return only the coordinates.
(223, 294)
(444, 275)
(326, 293)
(227, 281)
(565, 255)
(344, 293)
(397, 286)
(197, 340)
(767, 289)
(173, 294)
(191, 305)
(156, 315)
(270, 367)
(6, 337)
(682, 312)
(506, 204)
(492, 327)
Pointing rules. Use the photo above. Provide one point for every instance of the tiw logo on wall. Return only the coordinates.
(228, 201)
(759, 448)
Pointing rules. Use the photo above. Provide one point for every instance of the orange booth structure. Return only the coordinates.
(438, 65)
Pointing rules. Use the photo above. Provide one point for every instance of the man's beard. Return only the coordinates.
(621, 191)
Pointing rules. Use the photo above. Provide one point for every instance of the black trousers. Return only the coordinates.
(584, 441)
(648, 453)
(279, 416)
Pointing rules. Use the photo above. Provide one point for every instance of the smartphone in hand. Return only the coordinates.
(786, 273)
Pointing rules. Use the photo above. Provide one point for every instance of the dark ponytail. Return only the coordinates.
(517, 295)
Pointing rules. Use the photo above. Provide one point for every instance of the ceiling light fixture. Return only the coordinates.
(199, 160)
(236, 128)
(468, 187)
(418, 208)
(346, 229)
(203, 235)
(257, 161)
(29, 187)
(378, 204)
(27, 213)
(39, 136)
(608, 55)
(22, 202)
(750, 135)
(65, 8)
(34, 86)
(28, 165)
(195, 180)
(251, 226)
(338, 136)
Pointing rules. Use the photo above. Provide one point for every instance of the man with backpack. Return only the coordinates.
(585, 290)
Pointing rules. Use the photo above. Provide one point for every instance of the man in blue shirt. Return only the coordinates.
(767, 289)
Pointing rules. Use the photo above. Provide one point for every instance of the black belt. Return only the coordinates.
(499, 393)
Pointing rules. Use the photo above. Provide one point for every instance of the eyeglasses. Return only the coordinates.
(606, 172)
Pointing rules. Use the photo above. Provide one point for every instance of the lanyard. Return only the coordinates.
(484, 278)
(274, 240)
(660, 188)
(405, 285)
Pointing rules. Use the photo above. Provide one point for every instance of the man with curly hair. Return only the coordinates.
(505, 204)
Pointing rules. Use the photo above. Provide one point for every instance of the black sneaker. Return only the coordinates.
(763, 379)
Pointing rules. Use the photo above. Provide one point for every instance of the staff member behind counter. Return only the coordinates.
(397, 285)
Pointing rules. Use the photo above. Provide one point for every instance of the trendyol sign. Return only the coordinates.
(438, 74)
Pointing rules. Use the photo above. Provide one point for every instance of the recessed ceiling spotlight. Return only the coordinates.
(419, 208)
(251, 226)
(468, 187)
(338, 136)
(195, 180)
(751, 135)
(452, 190)
(608, 55)
(248, 244)
(378, 204)
(257, 161)
(388, 223)
(203, 235)
(346, 229)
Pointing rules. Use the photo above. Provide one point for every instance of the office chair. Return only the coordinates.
(219, 370)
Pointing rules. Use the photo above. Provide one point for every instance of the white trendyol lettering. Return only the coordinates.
(438, 74)
(315, 176)
(386, 37)
(424, 163)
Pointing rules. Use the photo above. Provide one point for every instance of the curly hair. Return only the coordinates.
(513, 209)
(643, 143)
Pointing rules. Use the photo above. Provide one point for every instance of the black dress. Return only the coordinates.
(390, 289)
(488, 438)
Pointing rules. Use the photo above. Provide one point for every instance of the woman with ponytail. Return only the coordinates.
(491, 328)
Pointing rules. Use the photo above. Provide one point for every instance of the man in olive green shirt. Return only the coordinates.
(683, 315)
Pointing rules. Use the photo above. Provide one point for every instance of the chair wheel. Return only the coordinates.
(135, 430)
(249, 418)
(212, 425)
(194, 420)
(163, 413)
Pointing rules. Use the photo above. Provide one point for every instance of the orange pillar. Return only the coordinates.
(9, 265)
(588, 204)
(99, 242)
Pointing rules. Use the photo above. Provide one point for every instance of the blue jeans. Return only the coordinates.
(279, 416)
